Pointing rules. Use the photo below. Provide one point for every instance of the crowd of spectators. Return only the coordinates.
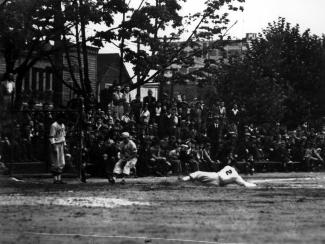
(177, 136)
(173, 136)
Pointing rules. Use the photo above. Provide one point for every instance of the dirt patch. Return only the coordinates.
(155, 210)
(88, 202)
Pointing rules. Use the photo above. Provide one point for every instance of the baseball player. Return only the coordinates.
(128, 157)
(228, 175)
(57, 140)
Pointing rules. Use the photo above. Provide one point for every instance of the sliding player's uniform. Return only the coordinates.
(228, 175)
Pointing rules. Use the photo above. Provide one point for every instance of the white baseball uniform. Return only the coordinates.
(128, 158)
(227, 175)
(57, 139)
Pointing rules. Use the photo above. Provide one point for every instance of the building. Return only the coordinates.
(226, 49)
(41, 85)
(108, 71)
(108, 74)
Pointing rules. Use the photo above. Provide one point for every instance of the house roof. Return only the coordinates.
(107, 62)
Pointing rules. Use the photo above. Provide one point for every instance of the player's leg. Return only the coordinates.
(118, 169)
(240, 181)
(191, 176)
(130, 165)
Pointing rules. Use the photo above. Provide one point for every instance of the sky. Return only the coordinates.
(258, 13)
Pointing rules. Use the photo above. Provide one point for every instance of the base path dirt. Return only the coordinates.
(285, 208)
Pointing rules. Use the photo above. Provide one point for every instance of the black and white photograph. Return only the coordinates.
(162, 121)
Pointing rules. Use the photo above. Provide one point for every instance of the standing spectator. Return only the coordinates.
(118, 102)
(197, 115)
(28, 133)
(145, 117)
(222, 110)
(174, 120)
(151, 101)
(57, 140)
(234, 114)
(214, 132)
(136, 106)
(127, 98)
(157, 112)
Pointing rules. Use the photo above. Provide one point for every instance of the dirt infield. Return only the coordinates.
(285, 208)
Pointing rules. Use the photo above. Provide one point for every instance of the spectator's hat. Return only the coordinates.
(125, 135)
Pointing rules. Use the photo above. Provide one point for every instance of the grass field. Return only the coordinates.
(285, 208)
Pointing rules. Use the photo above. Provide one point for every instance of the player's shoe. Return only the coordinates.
(111, 180)
(250, 185)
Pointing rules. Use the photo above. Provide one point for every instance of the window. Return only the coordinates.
(41, 85)
(48, 81)
(34, 79)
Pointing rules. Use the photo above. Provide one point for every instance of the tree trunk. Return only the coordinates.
(84, 50)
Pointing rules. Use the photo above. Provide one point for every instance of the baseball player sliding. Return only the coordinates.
(228, 175)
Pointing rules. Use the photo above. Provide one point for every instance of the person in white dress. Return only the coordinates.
(228, 175)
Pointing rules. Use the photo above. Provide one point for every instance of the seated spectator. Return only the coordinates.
(158, 162)
(109, 158)
(312, 157)
(206, 163)
(188, 158)
(174, 159)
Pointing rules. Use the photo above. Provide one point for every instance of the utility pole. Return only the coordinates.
(58, 56)
(122, 48)
(162, 83)
(138, 75)
(84, 49)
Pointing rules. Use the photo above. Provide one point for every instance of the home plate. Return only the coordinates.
(87, 202)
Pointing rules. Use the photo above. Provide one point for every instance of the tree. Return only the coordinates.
(295, 60)
(260, 95)
(147, 24)
(27, 29)
(280, 76)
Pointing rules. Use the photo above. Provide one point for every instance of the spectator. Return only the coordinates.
(118, 102)
(150, 100)
(136, 106)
